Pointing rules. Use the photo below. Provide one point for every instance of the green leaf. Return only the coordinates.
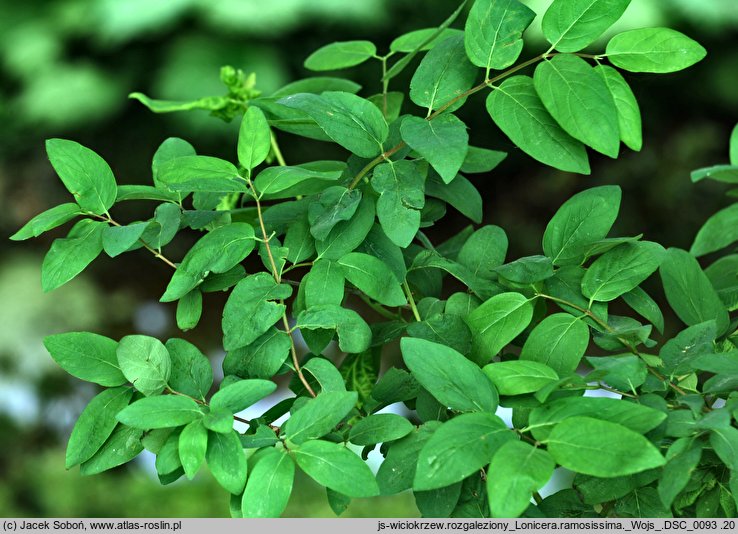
(69, 256)
(689, 292)
(348, 235)
(319, 415)
(162, 228)
(680, 352)
(261, 359)
(421, 40)
(494, 32)
(636, 417)
(528, 270)
(285, 181)
(218, 420)
(145, 362)
(227, 461)
(189, 310)
(622, 269)
(47, 220)
(446, 329)
(351, 121)
(717, 233)
(373, 277)
(380, 246)
(439, 502)
(191, 373)
(145, 192)
(167, 464)
(240, 395)
(720, 173)
(95, 424)
(519, 377)
(459, 448)
(354, 335)
(254, 138)
(171, 148)
(401, 197)
(193, 445)
(299, 242)
(334, 466)
(452, 379)
(250, 310)
(269, 486)
(570, 25)
(317, 85)
(722, 275)
(325, 373)
(397, 471)
(725, 443)
(122, 446)
(516, 471)
(629, 114)
(380, 428)
(498, 321)
(117, 239)
(601, 448)
(340, 55)
(460, 194)
(621, 372)
(442, 142)
(443, 74)
(332, 206)
(580, 101)
(517, 110)
(216, 252)
(658, 50)
(433, 38)
(682, 459)
(87, 356)
(558, 341)
(165, 411)
(201, 173)
(582, 220)
(324, 284)
(338, 502)
(482, 160)
(84, 174)
(645, 306)
(485, 250)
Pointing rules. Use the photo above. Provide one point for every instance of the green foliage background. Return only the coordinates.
(65, 69)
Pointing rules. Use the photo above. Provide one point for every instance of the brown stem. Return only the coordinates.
(278, 278)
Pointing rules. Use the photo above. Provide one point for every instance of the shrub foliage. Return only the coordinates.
(477, 331)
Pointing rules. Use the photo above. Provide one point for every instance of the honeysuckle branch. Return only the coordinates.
(155, 252)
(486, 83)
(278, 278)
(613, 332)
(203, 403)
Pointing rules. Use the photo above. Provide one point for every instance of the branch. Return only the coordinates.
(278, 278)
(156, 253)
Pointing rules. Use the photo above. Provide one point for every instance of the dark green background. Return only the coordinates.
(66, 67)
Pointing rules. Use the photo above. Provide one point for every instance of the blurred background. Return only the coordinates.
(66, 67)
